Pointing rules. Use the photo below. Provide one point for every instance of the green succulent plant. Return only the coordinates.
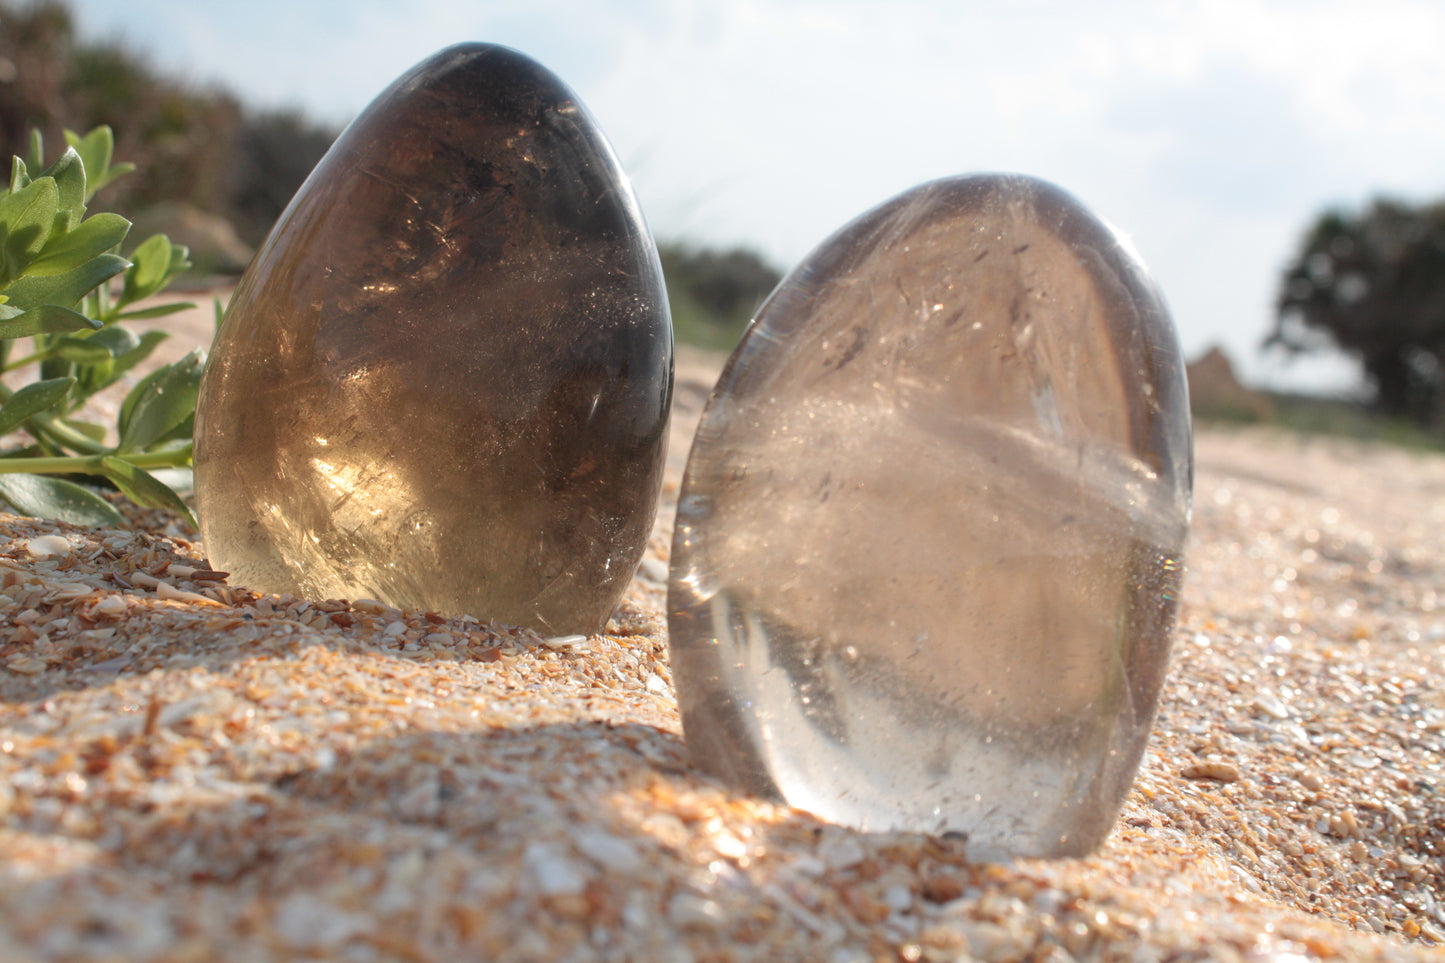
(65, 287)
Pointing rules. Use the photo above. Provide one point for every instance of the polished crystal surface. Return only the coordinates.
(928, 545)
(444, 381)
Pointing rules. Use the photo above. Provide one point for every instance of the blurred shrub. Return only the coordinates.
(273, 153)
(198, 147)
(714, 293)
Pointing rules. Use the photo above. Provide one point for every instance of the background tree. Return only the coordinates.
(201, 147)
(1372, 283)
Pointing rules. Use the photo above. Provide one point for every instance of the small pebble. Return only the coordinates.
(1216, 771)
(554, 873)
(166, 590)
(1271, 706)
(653, 570)
(43, 546)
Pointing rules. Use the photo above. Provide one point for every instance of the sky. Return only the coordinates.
(1210, 133)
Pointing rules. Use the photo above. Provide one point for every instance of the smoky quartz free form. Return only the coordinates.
(928, 545)
(444, 381)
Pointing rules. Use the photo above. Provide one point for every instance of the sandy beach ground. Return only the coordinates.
(190, 771)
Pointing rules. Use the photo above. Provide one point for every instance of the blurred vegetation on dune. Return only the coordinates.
(202, 147)
(714, 293)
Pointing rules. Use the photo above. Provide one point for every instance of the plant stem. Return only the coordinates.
(67, 436)
(90, 464)
(28, 359)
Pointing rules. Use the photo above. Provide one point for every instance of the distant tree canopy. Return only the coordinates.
(1373, 284)
(199, 147)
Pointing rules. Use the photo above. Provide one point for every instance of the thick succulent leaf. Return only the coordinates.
(27, 218)
(36, 160)
(69, 175)
(150, 269)
(44, 496)
(45, 319)
(32, 400)
(96, 149)
(145, 344)
(144, 488)
(159, 311)
(123, 348)
(66, 289)
(79, 350)
(115, 339)
(19, 175)
(69, 250)
(160, 403)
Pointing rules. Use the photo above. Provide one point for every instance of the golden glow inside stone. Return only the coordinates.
(444, 381)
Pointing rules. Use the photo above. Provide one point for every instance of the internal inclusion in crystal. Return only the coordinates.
(927, 551)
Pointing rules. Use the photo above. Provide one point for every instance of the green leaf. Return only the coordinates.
(115, 171)
(132, 398)
(66, 289)
(182, 481)
(159, 311)
(181, 434)
(69, 175)
(44, 319)
(180, 260)
(19, 175)
(144, 488)
(92, 431)
(26, 220)
(150, 267)
(32, 400)
(160, 403)
(42, 496)
(37, 148)
(156, 263)
(53, 367)
(35, 203)
(98, 353)
(96, 377)
(115, 339)
(145, 344)
(79, 350)
(69, 250)
(96, 149)
(91, 378)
